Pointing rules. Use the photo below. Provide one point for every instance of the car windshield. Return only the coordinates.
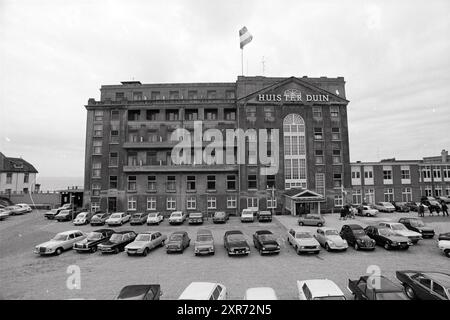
(175, 215)
(235, 238)
(116, 238)
(153, 215)
(219, 214)
(330, 298)
(143, 237)
(60, 237)
(97, 216)
(303, 235)
(312, 217)
(267, 237)
(176, 237)
(136, 215)
(195, 215)
(331, 232)
(204, 237)
(385, 232)
(82, 215)
(391, 296)
(247, 212)
(358, 232)
(116, 215)
(398, 227)
(94, 236)
(417, 223)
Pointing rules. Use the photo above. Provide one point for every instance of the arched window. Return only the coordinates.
(294, 151)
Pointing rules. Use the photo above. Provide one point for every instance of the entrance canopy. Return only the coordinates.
(301, 201)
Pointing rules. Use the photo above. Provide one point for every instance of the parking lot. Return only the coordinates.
(25, 275)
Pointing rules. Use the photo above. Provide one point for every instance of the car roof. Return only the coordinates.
(439, 277)
(179, 232)
(123, 232)
(103, 230)
(263, 232)
(353, 226)
(301, 231)
(233, 232)
(260, 293)
(322, 287)
(69, 232)
(177, 212)
(198, 291)
(136, 290)
(204, 231)
(148, 232)
(326, 228)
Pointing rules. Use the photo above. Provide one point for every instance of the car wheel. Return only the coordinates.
(93, 249)
(327, 247)
(116, 250)
(367, 214)
(146, 251)
(410, 292)
(356, 246)
(301, 224)
(58, 251)
(319, 225)
(447, 253)
(387, 246)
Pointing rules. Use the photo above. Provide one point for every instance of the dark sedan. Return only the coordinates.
(178, 241)
(400, 206)
(444, 236)
(387, 238)
(417, 225)
(425, 285)
(99, 219)
(140, 292)
(265, 242)
(117, 242)
(235, 243)
(220, 216)
(357, 237)
(93, 239)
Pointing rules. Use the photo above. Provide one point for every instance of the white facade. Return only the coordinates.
(17, 181)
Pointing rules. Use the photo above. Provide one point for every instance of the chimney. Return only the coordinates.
(444, 154)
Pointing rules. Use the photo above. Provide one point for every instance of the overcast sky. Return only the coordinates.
(54, 55)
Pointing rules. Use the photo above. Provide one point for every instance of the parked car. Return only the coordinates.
(60, 242)
(247, 215)
(118, 219)
(93, 239)
(260, 293)
(368, 211)
(220, 216)
(444, 246)
(425, 285)
(412, 206)
(384, 207)
(265, 242)
(432, 204)
(9, 210)
(417, 225)
(117, 242)
(319, 289)
(235, 243)
(52, 213)
(400, 206)
(140, 292)
(444, 236)
(303, 241)
(66, 215)
(375, 288)
(204, 291)
(401, 230)
(138, 218)
(386, 238)
(144, 242)
(25, 207)
(204, 243)
(177, 217)
(264, 216)
(330, 239)
(355, 236)
(99, 219)
(154, 218)
(195, 218)
(16, 210)
(83, 218)
(311, 220)
(3, 214)
(178, 241)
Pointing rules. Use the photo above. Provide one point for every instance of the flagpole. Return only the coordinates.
(242, 61)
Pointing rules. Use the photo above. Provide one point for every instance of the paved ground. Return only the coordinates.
(27, 276)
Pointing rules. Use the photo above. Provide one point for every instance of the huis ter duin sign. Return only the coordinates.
(293, 95)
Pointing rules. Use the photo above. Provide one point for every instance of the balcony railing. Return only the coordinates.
(181, 168)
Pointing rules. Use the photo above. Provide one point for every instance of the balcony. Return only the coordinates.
(182, 168)
(184, 101)
(150, 145)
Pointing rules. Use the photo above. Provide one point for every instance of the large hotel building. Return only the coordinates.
(128, 164)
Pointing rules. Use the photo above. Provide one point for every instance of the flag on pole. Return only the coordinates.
(244, 37)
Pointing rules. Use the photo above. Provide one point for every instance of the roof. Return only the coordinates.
(204, 231)
(10, 164)
(198, 291)
(322, 287)
(102, 230)
(123, 232)
(233, 232)
(355, 226)
(263, 232)
(69, 232)
(260, 293)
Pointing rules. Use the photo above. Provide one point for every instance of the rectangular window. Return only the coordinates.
(120, 96)
(97, 147)
(356, 174)
(211, 202)
(137, 96)
(406, 174)
(334, 112)
(270, 182)
(231, 182)
(115, 115)
(230, 114)
(134, 115)
(388, 194)
(26, 177)
(211, 114)
(171, 203)
(113, 159)
(211, 94)
(170, 184)
(96, 169)
(231, 202)
(151, 183)
(114, 136)
(252, 203)
(269, 113)
(337, 180)
(319, 156)
(338, 201)
(211, 182)
(369, 195)
(191, 183)
(98, 130)
(98, 115)
(426, 173)
(155, 95)
(335, 133)
(230, 94)
(438, 191)
(317, 112)
(174, 95)
(437, 173)
(271, 203)
(251, 180)
(152, 115)
(320, 183)
(95, 206)
(191, 114)
(337, 157)
(132, 203)
(387, 174)
(151, 203)
(447, 191)
(318, 134)
(428, 191)
(356, 196)
(406, 195)
(446, 172)
(368, 173)
(172, 115)
(192, 94)
(191, 203)
(131, 183)
(112, 182)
